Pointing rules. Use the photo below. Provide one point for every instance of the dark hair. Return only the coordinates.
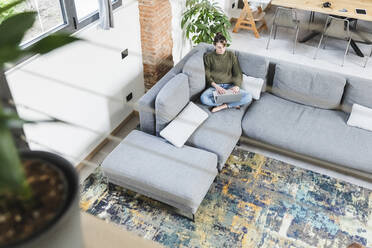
(219, 38)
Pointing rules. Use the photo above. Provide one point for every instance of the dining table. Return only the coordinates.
(341, 8)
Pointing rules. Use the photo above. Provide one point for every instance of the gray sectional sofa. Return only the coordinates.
(302, 110)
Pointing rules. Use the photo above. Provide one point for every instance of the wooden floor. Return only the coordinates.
(101, 153)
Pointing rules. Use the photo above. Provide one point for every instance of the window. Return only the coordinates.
(49, 17)
(85, 8)
(86, 11)
(56, 15)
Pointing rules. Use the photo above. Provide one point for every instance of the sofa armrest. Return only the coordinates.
(146, 104)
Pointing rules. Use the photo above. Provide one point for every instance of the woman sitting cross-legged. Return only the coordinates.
(222, 72)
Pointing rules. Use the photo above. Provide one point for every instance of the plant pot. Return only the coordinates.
(64, 228)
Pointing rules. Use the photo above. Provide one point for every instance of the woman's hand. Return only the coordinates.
(235, 89)
(219, 89)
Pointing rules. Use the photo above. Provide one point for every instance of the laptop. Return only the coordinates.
(228, 97)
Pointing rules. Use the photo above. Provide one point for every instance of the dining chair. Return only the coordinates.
(285, 18)
(334, 26)
(248, 18)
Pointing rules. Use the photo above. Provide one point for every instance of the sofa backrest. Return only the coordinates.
(253, 65)
(194, 69)
(357, 90)
(306, 86)
(172, 98)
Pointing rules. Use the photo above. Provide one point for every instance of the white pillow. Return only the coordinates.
(183, 126)
(360, 117)
(253, 86)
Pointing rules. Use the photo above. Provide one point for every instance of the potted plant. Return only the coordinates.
(38, 190)
(202, 20)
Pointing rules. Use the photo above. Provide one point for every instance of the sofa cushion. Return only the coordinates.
(183, 126)
(253, 85)
(360, 117)
(315, 132)
(194, 69)
(253, 65)
(219, 133)
(171, 99)
(358, 91)
(309, 87)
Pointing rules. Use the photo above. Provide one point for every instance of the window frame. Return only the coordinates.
(71, 24)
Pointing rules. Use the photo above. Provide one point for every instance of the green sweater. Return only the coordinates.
(222, 68)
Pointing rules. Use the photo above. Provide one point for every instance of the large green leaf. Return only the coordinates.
(12, 177)
(199, 18)
(51, 42)
(9, 6)
(14, 28)
(9, 54)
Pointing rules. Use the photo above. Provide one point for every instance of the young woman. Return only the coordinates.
(222, 72)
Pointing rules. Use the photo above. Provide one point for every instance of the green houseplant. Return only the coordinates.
(203, 19)
(36, 188)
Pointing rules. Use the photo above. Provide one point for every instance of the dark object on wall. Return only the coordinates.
(129, 97)
(124, 53)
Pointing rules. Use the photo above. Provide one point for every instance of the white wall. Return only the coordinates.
(84, 83)
(180, 45)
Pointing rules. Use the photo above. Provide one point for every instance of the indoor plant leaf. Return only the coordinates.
(12, 179)
(51, 42)
(200, 16)
(13, 29)
(9, 6)
(9, 54)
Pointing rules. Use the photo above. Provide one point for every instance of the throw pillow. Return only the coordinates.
(253, 86)
(253, 65)
(194, 69)
(171, 99)
(360, 117)
(310, 87)
(358, 91)
(183, 126)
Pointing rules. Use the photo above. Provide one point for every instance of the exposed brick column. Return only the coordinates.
(156, 39)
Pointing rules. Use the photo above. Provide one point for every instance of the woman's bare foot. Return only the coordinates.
(218, 108)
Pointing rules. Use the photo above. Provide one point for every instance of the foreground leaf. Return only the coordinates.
(9, 6)
(13, 29)
(12, 177)
(51, 42)
(10, 54)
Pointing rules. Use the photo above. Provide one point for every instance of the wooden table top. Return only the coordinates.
(336, 5)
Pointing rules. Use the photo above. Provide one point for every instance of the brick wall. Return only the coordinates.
(156, 39)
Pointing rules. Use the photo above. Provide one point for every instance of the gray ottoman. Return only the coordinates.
(179, 177)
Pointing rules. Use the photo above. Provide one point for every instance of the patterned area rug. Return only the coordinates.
(254, 202)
